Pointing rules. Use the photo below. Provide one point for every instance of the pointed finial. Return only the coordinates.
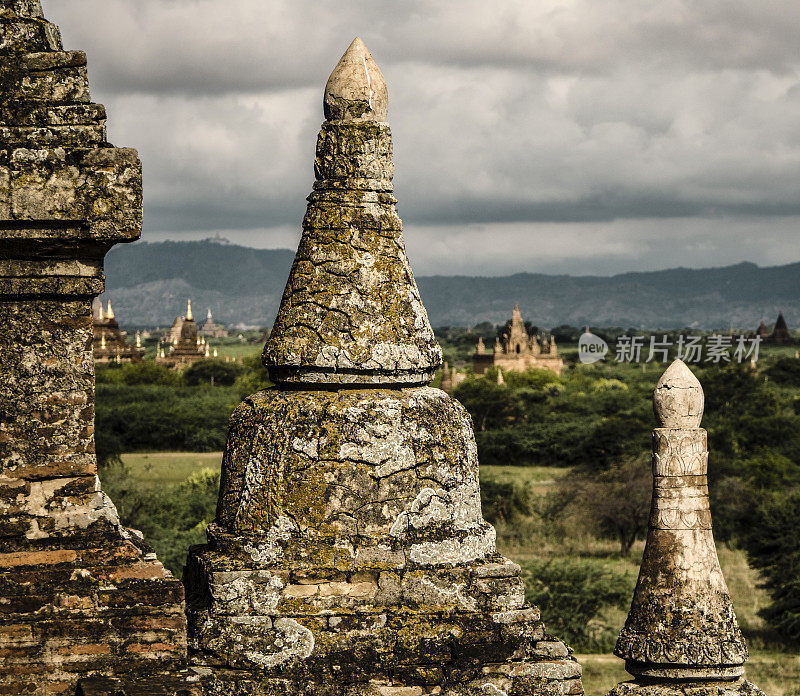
(208, 314)
(138, 339)
(110, 312)
(356, 88)
(100, 314)
(189, 316)
(678, 398)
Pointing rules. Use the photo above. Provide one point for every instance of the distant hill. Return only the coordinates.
(148, 284)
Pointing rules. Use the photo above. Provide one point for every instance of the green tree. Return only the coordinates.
(214, 372)
(254, 377)
(489, 404)
(573, 594)
(171, 518)
(146, 372)
(772, 543)
(615, 501)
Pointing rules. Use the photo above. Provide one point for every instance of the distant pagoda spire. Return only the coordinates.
(189, 316)
(780, 334)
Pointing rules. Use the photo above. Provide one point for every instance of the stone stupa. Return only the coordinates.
(681, 637)
(349, 553)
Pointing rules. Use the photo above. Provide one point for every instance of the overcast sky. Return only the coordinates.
(576, 136)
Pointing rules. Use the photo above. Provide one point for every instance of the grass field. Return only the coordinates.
(236, 350)
(152, 469)
(776, 673)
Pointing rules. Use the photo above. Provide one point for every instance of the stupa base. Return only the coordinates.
(271, 631)
(642, 687)
(557, 678)
(670, 673)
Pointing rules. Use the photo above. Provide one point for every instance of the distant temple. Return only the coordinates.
(186, 347)
(109, 343)
(212, 330)
(518, 351)
(451, 378)
(175, 330)
(780, 333)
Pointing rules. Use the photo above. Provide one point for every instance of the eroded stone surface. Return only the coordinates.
(394, 467)
(79, 594)
(356, 88)
(681, 634)
(740, 687)
(351, 312)
(678, 399)
(349, 553)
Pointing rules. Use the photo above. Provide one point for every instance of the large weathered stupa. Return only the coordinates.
(681, 636)
(349, 554)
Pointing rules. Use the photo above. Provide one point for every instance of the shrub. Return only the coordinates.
(504, 500)
(772, 543)
(147, 372)
(572, 594)
(171, 518)
(215, 372)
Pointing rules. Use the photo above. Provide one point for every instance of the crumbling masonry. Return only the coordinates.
(79, 595)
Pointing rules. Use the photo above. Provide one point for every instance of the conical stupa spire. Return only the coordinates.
(351, 312)
(356, 88)
(109, 311)
(681, 625)
(189, 315)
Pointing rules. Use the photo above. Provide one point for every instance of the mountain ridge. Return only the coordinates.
(148, 283)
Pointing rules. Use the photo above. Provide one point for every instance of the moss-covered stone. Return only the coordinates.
(351, 312)
(349, 554)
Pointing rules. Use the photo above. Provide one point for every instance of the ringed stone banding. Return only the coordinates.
(681, 631)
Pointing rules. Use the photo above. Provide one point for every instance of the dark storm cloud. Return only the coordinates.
(618, 115)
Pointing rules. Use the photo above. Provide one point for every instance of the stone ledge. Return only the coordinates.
(166, 684)
(740, 687)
